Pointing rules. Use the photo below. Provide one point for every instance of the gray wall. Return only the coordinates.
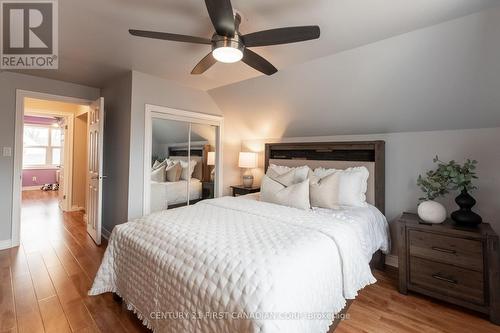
(410, 154)
(147, 89)
(9, 82)
(117, 102)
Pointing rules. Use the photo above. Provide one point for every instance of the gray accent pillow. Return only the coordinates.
(324, 192)
(173, 172)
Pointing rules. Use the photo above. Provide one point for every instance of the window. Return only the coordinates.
(42, 146)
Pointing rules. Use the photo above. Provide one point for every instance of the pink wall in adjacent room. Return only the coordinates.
(44, 176)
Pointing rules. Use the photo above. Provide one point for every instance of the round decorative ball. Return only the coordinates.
(432, 212)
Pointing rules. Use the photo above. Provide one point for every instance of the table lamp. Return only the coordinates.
(247, 160)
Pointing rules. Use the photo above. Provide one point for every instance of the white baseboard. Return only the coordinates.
(5, 244)
(391, 260)
(105, 233)
(32, 188)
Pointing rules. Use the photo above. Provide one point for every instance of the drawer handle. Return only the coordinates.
(440, 249)
(442, 278)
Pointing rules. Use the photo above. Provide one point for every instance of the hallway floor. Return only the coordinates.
(44, 282)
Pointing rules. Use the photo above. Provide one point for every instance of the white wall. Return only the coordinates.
(410, 154)
(147, 89)
(9, 82)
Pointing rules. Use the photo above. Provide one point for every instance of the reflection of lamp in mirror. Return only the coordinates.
(211, 162)
(247, 160)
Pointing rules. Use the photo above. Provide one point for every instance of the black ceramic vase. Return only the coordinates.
(465, 216)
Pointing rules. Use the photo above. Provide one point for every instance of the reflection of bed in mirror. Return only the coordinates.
(165, 195)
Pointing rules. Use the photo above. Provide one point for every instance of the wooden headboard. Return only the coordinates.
(314, 154)
(198, 153)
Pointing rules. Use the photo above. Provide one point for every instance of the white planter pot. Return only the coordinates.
(432, 212)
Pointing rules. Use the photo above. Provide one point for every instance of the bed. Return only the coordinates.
(165, 195)
(242, 265)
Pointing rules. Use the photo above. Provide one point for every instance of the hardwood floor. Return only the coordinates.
(44, 283)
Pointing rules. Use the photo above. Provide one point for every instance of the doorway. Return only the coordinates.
(52, 158)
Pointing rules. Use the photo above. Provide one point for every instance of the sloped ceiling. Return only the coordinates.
(442, 77)
(95, 45)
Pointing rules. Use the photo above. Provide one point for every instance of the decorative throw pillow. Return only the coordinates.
(295, 195)
(158, 175)
(323, 172)
(158, 164)
(353, 186)
(185, 172)
(173, 172)
(324, 192)
(288, 175)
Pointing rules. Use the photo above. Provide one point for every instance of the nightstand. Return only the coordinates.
(450, 263)
(207, 190)
(242, 190)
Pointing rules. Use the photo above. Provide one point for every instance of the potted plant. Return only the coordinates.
(434, 185)
(461, 178)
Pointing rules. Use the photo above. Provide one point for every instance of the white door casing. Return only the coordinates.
(95, 169)
(62, 167)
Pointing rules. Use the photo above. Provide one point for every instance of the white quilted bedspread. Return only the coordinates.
(234, 265)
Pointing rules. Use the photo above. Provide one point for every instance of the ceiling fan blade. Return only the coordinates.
(221, 14)
(204, 64)
(255, 61)
(168, 36)
(281, 36)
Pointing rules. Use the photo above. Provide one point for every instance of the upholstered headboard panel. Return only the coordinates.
(338, 155)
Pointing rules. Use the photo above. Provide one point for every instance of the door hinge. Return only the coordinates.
(64, 197)
(66, 127)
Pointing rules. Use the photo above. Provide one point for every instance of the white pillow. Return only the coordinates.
(185, 175)
(296, 195)
(353, 186)
(293, 175)
(158, 175)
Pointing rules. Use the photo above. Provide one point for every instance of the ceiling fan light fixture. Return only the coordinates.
(227, 54)
(226, 49)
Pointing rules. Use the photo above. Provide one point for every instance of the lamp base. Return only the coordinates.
(248, 180)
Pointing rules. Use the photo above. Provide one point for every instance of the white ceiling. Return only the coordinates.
(95, 45)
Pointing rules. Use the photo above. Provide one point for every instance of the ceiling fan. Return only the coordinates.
(228, 45)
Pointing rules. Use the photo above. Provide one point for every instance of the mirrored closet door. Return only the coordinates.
(183, 163)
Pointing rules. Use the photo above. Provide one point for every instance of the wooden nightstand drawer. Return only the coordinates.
(447, 280)
(460, 252)
(453, 264)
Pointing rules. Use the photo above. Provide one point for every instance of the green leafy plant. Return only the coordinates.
(447, 176)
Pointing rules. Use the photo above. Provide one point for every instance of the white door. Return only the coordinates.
(95, 176)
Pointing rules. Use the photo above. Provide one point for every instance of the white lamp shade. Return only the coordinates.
(211, 158)
(247, 160)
